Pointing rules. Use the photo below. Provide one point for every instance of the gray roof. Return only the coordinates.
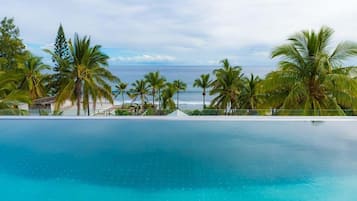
(44, 100)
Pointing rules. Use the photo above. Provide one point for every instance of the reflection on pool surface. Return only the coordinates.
(79, 160)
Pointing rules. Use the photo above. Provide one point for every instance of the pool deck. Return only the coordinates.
(189, 118)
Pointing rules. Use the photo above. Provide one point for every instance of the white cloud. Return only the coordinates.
(192, 31)
(143, 59)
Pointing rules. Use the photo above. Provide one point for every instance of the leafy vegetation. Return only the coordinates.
(86, 76)
(167, 96)
(156, 83)
(12, 49)
(140, 90)
(227, 87)
(31, 78)
(10, 95)
(310, 79)
(203, 82)
(178, 86)
(121, 90)
(61, 50)
(250, 97)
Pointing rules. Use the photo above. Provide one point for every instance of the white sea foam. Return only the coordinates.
(189, 104)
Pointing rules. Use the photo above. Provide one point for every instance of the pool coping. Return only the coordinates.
(188, 118)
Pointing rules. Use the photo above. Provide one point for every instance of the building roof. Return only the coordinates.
(44, 100)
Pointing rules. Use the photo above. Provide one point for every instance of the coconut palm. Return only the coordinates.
(203, 82)
(10, 95)
(86, 75)
(179, 86)
(97, 87)
(156, 82)
(249, 97)
(227, 86)
(22, 84)
(140, 90)
(121, 89)
(311, 77)
(168, 93)
(31, 77)
(161, 86)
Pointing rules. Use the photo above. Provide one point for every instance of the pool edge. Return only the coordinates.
(188, 118)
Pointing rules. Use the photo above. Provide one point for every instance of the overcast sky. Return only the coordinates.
(199, 32)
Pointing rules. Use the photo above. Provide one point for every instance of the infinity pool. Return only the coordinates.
(168, 160)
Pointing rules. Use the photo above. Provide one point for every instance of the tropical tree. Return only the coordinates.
(179, 86)
(121, 90)
(61, 50)
(97, 87)
(227, 86)
(10, 95)
(161, 86)
(203, 82)
(31, 77)
(156, 82)
(86, 76)
(12, 49)
(140, 89)
(250, 97)
(168, 93)
(311, 77)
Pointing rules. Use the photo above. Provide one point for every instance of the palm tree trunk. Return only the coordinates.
(78, 105)
(94, 106)
(78, 91)
(204, 98)
(177, 101)
(122, 105)
(159, 101)
(153, 99)
(204, 101)
(88, 104)
(142, 102)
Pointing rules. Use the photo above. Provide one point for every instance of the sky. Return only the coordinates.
(180, 32)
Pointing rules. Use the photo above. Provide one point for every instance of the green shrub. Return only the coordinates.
(150, 112)
(196, 113)
(119, 112)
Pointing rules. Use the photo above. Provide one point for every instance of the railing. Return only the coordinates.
(118, 111)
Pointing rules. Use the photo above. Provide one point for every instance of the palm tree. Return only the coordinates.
(97, 87)
(140, 89)
(167, 96)
(227, 86)
(156, 82)
(121, 89)
(310, 77)
(86, 75)
(31, 77)
(203, 82)
(22, 84)
(10, 95)
(250, 97)
(179, 86)
(160, 86)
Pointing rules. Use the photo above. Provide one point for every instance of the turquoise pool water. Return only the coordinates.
(159, 160)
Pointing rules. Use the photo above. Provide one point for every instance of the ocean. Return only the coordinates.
(189, 99)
